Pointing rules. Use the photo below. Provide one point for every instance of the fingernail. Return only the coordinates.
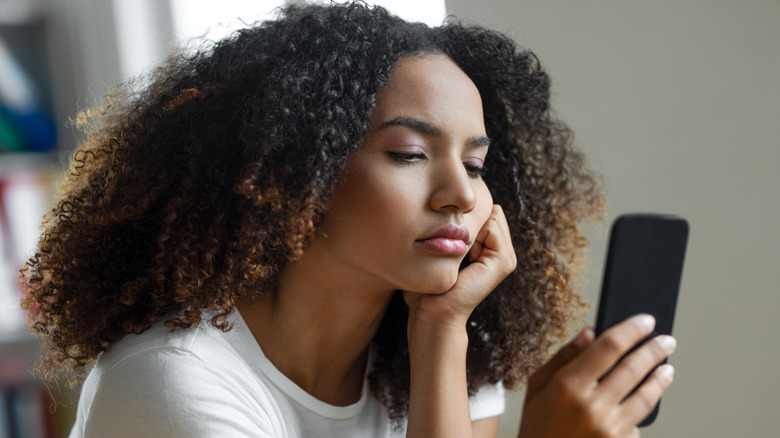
(646, 321)
(666, 372)
(668, 343)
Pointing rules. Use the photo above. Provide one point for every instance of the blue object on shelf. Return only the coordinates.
(24, 119)
(10, 138)
(34, 129)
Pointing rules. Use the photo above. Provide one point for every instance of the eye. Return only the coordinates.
(473, 169)
(406, 157)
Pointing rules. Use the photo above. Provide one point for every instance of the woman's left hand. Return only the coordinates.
(438, 341)
(492, 259)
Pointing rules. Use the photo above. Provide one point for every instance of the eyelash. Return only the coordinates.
(474, 171)
(407, 159)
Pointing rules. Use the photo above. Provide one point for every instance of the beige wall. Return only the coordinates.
(677, 104)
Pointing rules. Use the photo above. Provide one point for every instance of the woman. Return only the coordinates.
(301, 232)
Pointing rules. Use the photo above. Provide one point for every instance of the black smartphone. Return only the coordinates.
(642, 273)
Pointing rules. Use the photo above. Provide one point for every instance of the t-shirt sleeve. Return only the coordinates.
(172, 393)
(487, 402)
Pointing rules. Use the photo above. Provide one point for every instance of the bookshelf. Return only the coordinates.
(39, 61)
(30, 139)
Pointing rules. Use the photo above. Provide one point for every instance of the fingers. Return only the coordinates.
(636, 366)
(494, 260)
(476, 248)
(493, 256)
(494, 242)
(641, 403)
(568, 352)
(609, 348)
(587, 386)
(618, 374)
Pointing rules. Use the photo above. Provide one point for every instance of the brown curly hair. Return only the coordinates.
(194, 191)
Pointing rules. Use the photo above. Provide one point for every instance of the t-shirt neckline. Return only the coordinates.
(255, 357)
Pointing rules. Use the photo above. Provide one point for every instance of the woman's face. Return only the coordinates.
(411, 201)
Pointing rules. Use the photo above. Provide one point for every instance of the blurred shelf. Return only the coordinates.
(15, 12)
(13, 330)
(66, 46)
(17, 338)
(12, 161)
(35, 33)
(26, 161)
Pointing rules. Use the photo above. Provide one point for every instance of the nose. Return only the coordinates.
(453, 188)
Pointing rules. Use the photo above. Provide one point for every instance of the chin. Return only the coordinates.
(436, 283)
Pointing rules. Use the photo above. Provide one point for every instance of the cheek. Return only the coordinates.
(370, 201)
(484, 205)
(384, 199)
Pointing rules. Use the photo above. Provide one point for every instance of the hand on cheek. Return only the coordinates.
(492, 258)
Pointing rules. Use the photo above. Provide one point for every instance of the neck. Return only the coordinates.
(317, 325)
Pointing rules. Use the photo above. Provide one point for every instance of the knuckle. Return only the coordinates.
(655, 349)
(565, 390)
(605, 429)
(646, 402)
(567, 351)
(510, 266)
(602, 431)
(591, 418)
(634, 368)
(654, 352)
(663, 346)
(583, 407)
(611, 343)
(647, 397)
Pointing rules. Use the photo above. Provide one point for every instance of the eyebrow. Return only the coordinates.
(426, 128)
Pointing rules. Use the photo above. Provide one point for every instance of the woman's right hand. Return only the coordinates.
(583, 391)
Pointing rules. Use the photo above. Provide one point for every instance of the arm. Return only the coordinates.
(438, 404)
(438, 387)
(438, 401)
(485, 428)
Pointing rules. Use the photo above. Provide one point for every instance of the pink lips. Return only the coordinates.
(450, 239)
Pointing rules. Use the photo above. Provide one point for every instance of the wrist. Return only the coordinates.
(427, 319)
(438, 398)
(431, 335)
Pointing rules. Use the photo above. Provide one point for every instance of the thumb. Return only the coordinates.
(568, 352)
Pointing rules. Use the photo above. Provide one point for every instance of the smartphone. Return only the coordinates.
(642, 273)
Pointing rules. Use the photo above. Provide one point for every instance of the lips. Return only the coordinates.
(450, 239)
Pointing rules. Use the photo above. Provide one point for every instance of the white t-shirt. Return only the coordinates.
(202, 382)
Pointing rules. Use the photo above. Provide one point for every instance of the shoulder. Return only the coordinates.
(185, 383)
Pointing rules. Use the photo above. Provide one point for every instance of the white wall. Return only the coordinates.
(677, 104)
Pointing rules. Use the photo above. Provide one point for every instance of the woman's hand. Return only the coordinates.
(583, 391)
(438, 398)
(492, 259)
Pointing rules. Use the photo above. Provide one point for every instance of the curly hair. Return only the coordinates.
(194, 191)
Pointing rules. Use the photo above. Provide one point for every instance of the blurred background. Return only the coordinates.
(676, 103)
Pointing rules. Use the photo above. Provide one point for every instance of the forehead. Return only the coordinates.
(430, 88)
